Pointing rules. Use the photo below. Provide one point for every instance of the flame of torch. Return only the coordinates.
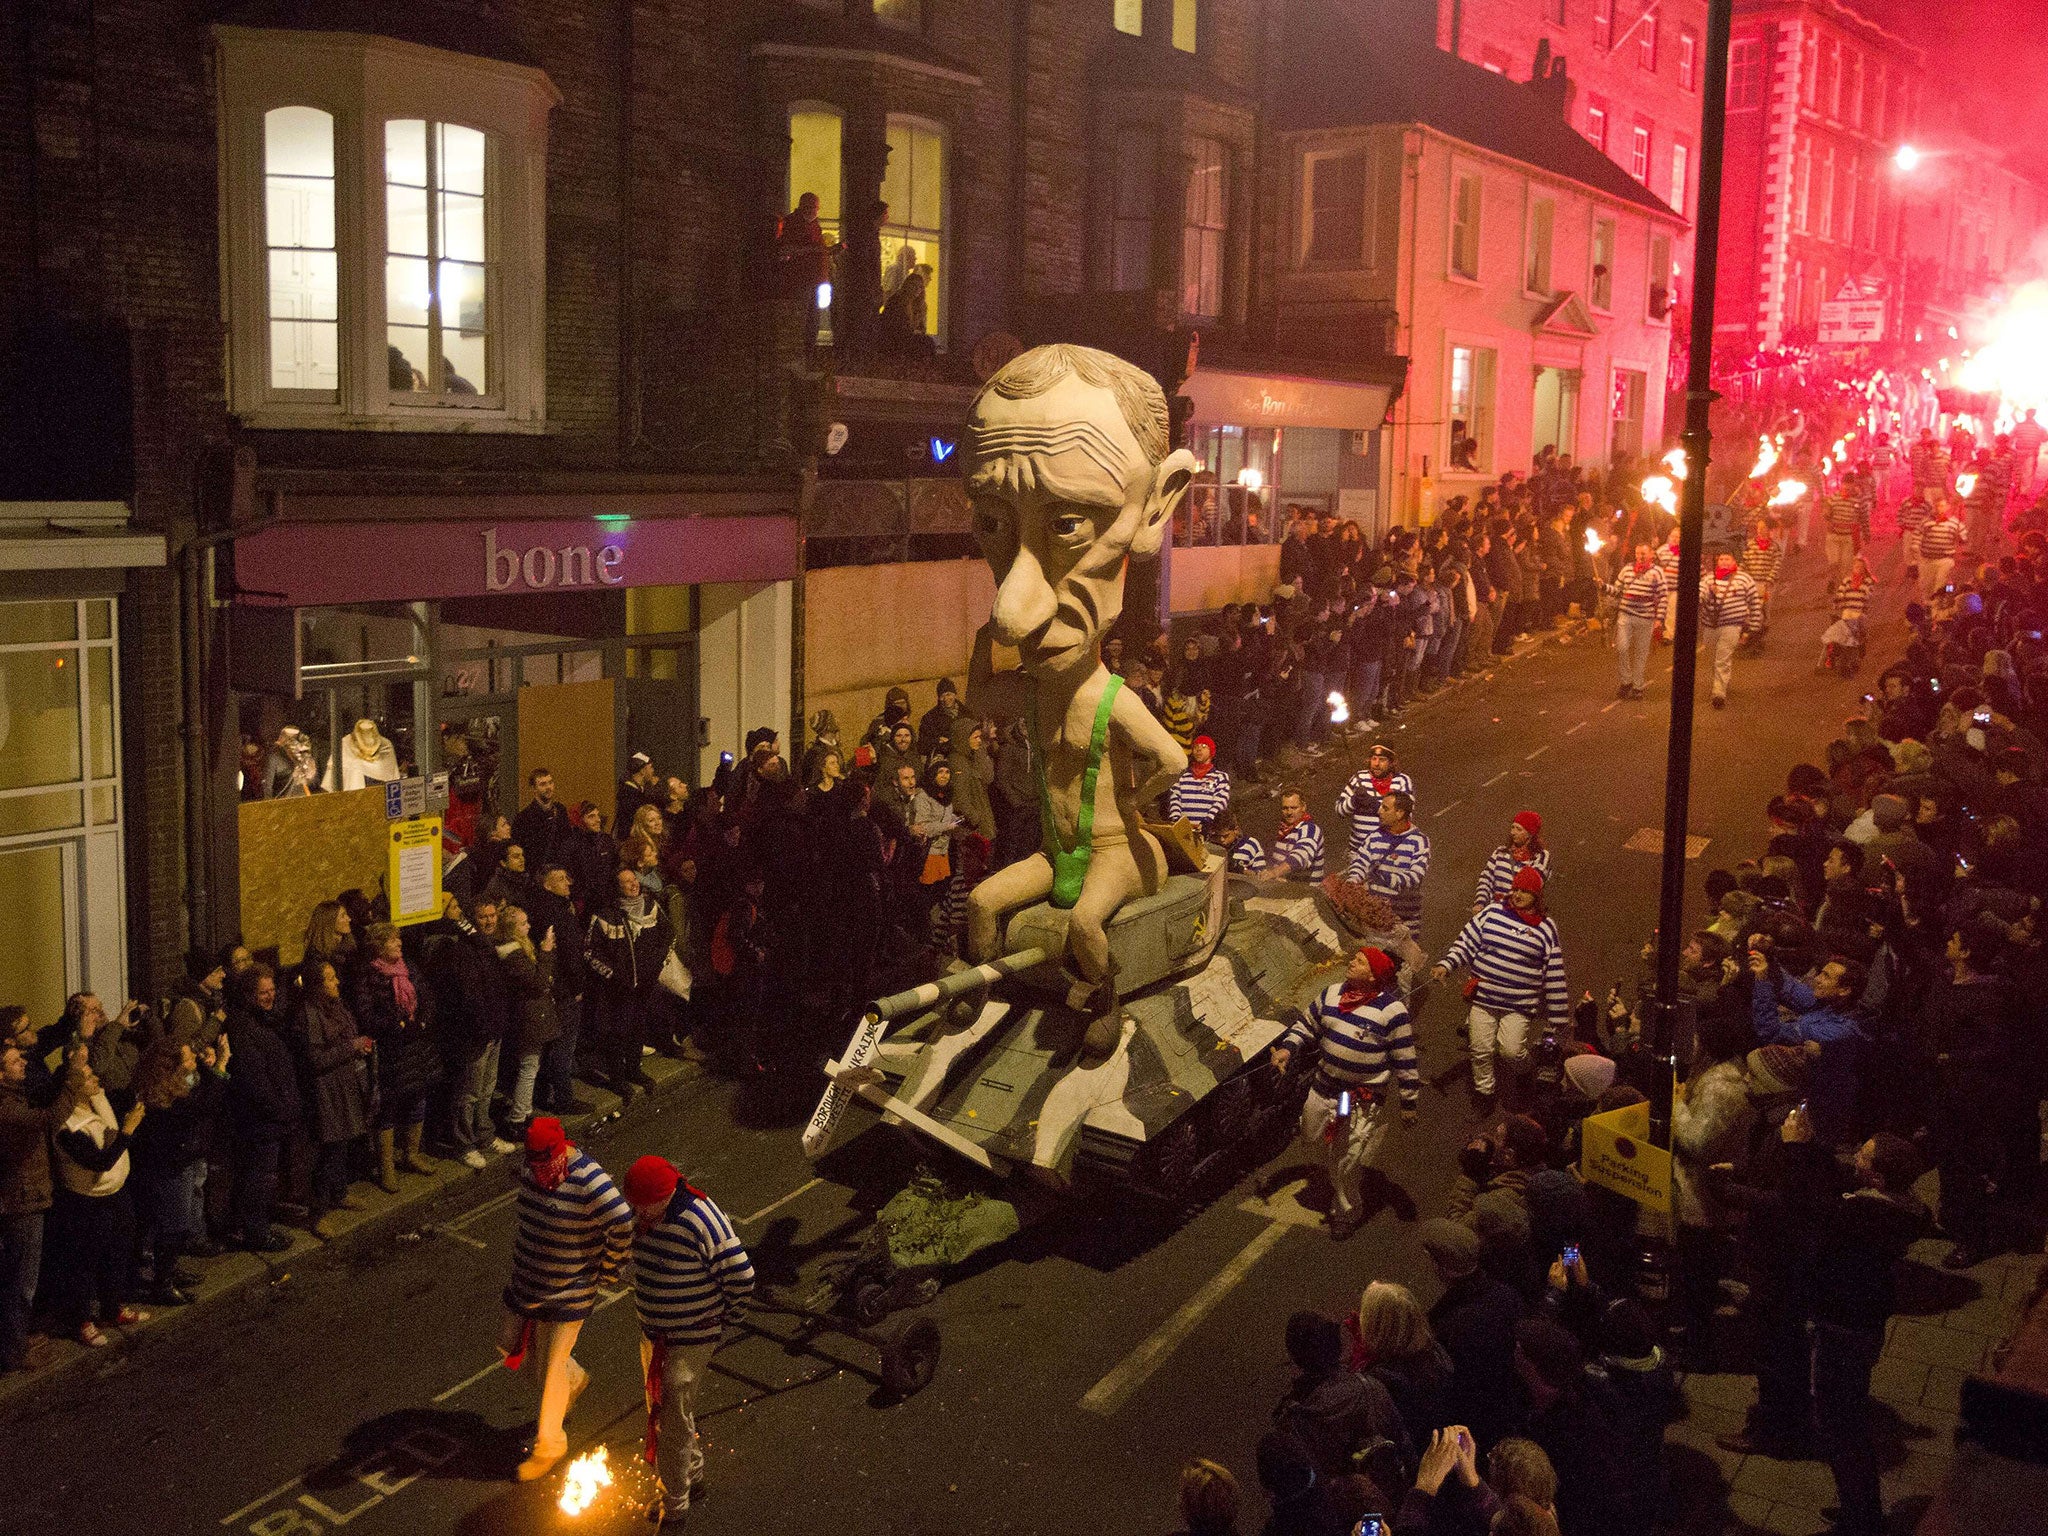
(1340, 711)
(1766, 458)
(1659, 491)
(1788, 492)
(1676, 462)
(1965, 484)
(588, 1476)
(1594, 543)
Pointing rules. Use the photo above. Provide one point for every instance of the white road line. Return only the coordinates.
(1579, 727)
(497, 1202)
(1136, 1368)
(1539, 752)
(774, 1206)
(1605, 708)
(1449, 808)
(465, 1384)
(1495, 779)
(259, 1503)
(460, 1237)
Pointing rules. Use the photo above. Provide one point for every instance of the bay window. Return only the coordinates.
(1338, 207)
(1201, 270)
(1130, 242)
(914, 231)
(383, 220)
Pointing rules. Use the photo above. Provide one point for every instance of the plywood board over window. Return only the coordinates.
(300, 852)
(568, 729)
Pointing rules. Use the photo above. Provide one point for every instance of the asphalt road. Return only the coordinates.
(364, 1395)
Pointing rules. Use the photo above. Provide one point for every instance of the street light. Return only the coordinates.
(1907, 159)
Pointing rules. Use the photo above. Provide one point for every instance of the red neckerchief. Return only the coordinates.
(1350, 995)
(1763, 541)
(1522, 855)
(1532, 917)
(549, 1175)
(1382, 786)
(1644, 565)
(1201, 770)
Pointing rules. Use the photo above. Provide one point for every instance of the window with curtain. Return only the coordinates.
(1337, 208)
(436, 266)
(1201, 264)
(914, 238)
(1600, 287)
(1661, 290)
(1470, 413)
(1465, 196)
(1137, 188)
(302, 272)
(1536, 255)
(1631, 389)
(1184, 25)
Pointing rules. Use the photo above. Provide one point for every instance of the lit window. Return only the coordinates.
(1603, 23)
(1660, 300)
(1600, 287)
(914, 231)
(1337, 208)
(907, 14)
(1596, 127)
(1681, 166)
(1129, 16)
(1745, 75)
(382, 268)
(1465, 225)
(816, 134)
(1184, 25)
(1201, 262)
(1536, 258)
(1131, 232)
(1639, 153)
(1470, 413)
(1626, 430)
(1688, 59)
(302, 275)
(1646, 42)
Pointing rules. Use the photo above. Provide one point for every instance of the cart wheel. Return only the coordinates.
(870, 1303)
(910, 1358)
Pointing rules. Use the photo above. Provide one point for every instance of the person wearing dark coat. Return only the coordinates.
(263, 1105)
(470, 1016)
(590, 856)
(1475, 1321)
(624, 947)
(1967, 1028)
(936, 724)
(26, 1124)
(1392, 1342)
(1334, 1412)
(542, 825)
(333, 1053)
(1565, 1420)
(529, 970)
(181, 1093)
(554, 911)
(394, 1008)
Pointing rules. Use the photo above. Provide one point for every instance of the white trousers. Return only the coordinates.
(1504, 1034)
(1934, 575)
(1726, 638)
(1344, 1153)
(561, 1377)
(1632, 643)
(679, 1458)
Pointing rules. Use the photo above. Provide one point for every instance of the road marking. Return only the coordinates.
(497, 1202)
(1449, 808)
(776, 1205)
(1579, 727)
(1136, 1368)
(1495, 779)
(259, 1503)
(1539, 752)
(460, 1237)
(462, 1386)
(1605, 708)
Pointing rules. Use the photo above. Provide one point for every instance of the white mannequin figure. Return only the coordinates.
(365, 756)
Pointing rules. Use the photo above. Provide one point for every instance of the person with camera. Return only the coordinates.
(1823, 1022)
(1516, 959)
(1359, 1031)
(26, 1125)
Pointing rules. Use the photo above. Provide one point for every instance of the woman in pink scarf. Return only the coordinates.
(394, 1010)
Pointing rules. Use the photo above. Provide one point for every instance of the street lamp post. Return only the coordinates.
(1692, 512)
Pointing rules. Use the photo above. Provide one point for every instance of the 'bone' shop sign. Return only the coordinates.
(542, 568)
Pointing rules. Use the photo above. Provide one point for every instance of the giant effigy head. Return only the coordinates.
(1067, 464)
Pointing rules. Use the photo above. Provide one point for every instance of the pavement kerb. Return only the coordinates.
(414, 1206)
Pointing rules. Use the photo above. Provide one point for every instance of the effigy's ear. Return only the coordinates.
(1170, 483)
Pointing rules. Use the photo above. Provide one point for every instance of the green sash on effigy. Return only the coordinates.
(1070, 865)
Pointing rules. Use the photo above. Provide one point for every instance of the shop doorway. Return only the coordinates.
(1557, 410)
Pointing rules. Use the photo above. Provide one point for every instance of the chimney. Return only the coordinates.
(1550, 82)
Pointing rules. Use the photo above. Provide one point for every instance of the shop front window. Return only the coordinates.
(1230, 500)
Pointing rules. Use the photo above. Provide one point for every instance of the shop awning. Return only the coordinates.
(1223, 397)
(73, 536)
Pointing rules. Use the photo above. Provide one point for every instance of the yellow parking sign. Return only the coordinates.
(413, 882)
(1615, 1153)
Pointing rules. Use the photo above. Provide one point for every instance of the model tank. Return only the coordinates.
(989, 1062)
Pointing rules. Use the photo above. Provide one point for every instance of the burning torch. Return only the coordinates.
(1340, 710)
(1788, 492)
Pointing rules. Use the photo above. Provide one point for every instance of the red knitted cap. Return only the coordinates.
(1383, 964)
(1529, 822)
(545, 1137)
(650, 1179)
(1529, 878)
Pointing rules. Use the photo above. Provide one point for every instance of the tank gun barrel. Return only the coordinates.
(973, 979)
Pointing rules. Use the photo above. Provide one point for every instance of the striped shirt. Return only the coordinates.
(1182, 717)
(1851, 601)
(1393, 867)
(1930, 464)
(1499, 874)
(1519, 966)
(1299, 849)
(1667, 562)
(571, 1239)
(1641, 592)
(1363, 1042)
(1940, 539)
(1200, 800)
(690, 1274)
(1762, 561)
(1248, 856)
(1844, 513)
(1730, 602)
(1360, 800)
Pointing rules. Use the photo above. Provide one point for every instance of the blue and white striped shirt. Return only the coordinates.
(1730, 602)
(1363, 1043)
(1641, 592)
(1248, 855)
(1519, 965)
(1393, 867)
(1360, 800)
(1940, 540)
(1499, 874)
(690, 1273)
(1200, 800)
(1299, 849)
(571, 1239)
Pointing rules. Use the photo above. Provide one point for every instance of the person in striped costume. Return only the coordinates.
(573, 1235)
(691, 1277)
(1842, 514)
(1639, 590)
(1941, 539)
(1360, 797)
(1667, 562)
(1202, 790)
(1763, 556)
(1247, 855)
(1517, 965)
(1298, 850)
(1359, 1030)
(1523, 850)
(1393, 861)
(1730, 608)
(1842, 641)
